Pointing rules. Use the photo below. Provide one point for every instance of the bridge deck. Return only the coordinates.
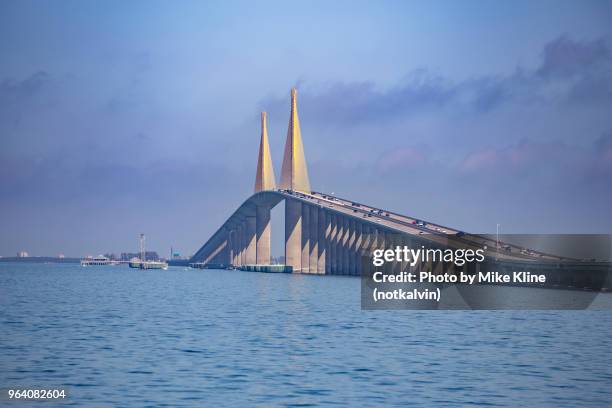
(381, 219)
(411, 225)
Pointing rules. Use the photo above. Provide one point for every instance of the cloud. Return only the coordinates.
(11, 88)
(545, 164)
(525, 156)
(358, 102)
(565, 57)
(586, 68)
(528, 165)
(483, 159)
(64, 136)
(55, 178)
(570, 71)
(403, 159)
(20, 98)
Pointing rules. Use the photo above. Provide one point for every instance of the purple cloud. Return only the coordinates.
(570, 71)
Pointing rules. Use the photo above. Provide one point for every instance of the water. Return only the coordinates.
(117, 336)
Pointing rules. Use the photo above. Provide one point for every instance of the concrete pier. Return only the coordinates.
(263, 228)
(250, 256)
(351, 247)
(313, 240)
(293, 234)
(338, 253)
(345, 247)
(305, 239)
(324, 230)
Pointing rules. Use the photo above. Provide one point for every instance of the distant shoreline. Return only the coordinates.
(51, 259)
(39, 259)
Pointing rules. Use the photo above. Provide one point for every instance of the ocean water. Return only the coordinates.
(114, 336)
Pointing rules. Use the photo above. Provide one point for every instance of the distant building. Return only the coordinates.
(176, 256)
(23, 254)
(61, 256)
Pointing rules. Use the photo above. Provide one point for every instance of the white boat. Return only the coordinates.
(142, 263)
(97, 261)
(148, 264)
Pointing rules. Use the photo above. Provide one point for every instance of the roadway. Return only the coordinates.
(427, 230)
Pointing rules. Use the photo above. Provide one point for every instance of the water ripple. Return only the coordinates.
(181, 338)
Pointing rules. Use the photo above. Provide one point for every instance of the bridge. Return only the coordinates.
(325, 234)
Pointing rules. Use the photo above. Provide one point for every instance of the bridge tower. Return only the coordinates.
(318, 239)
(294, 177)
(264, 179)
(294, 173)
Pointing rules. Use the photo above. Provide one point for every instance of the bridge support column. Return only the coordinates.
(374, 243)
(345, 246)
(398, 242)
(364, 250)
(221, 251)
(250, 256)
(394, 242)
(417, 267)
(226, 258)
(263, 235)
(324, 229)
(405, 242)
(331, 243)
(379, 243)
(313, 239)
(237, 245)
(337, 252)
(351, 247)
(343, 239)
(438, 266)
(242, 242)
(390, 244)
(380, 239)
(305, 238)
(372, 237)
(228, 248)
(230, 244)
(368, 248)
(293, 234)
(338, 244)
(358, 245)
(233, 246)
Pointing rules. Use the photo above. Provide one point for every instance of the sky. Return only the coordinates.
(119, 117)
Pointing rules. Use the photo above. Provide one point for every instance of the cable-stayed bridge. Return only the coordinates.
(325, 234)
